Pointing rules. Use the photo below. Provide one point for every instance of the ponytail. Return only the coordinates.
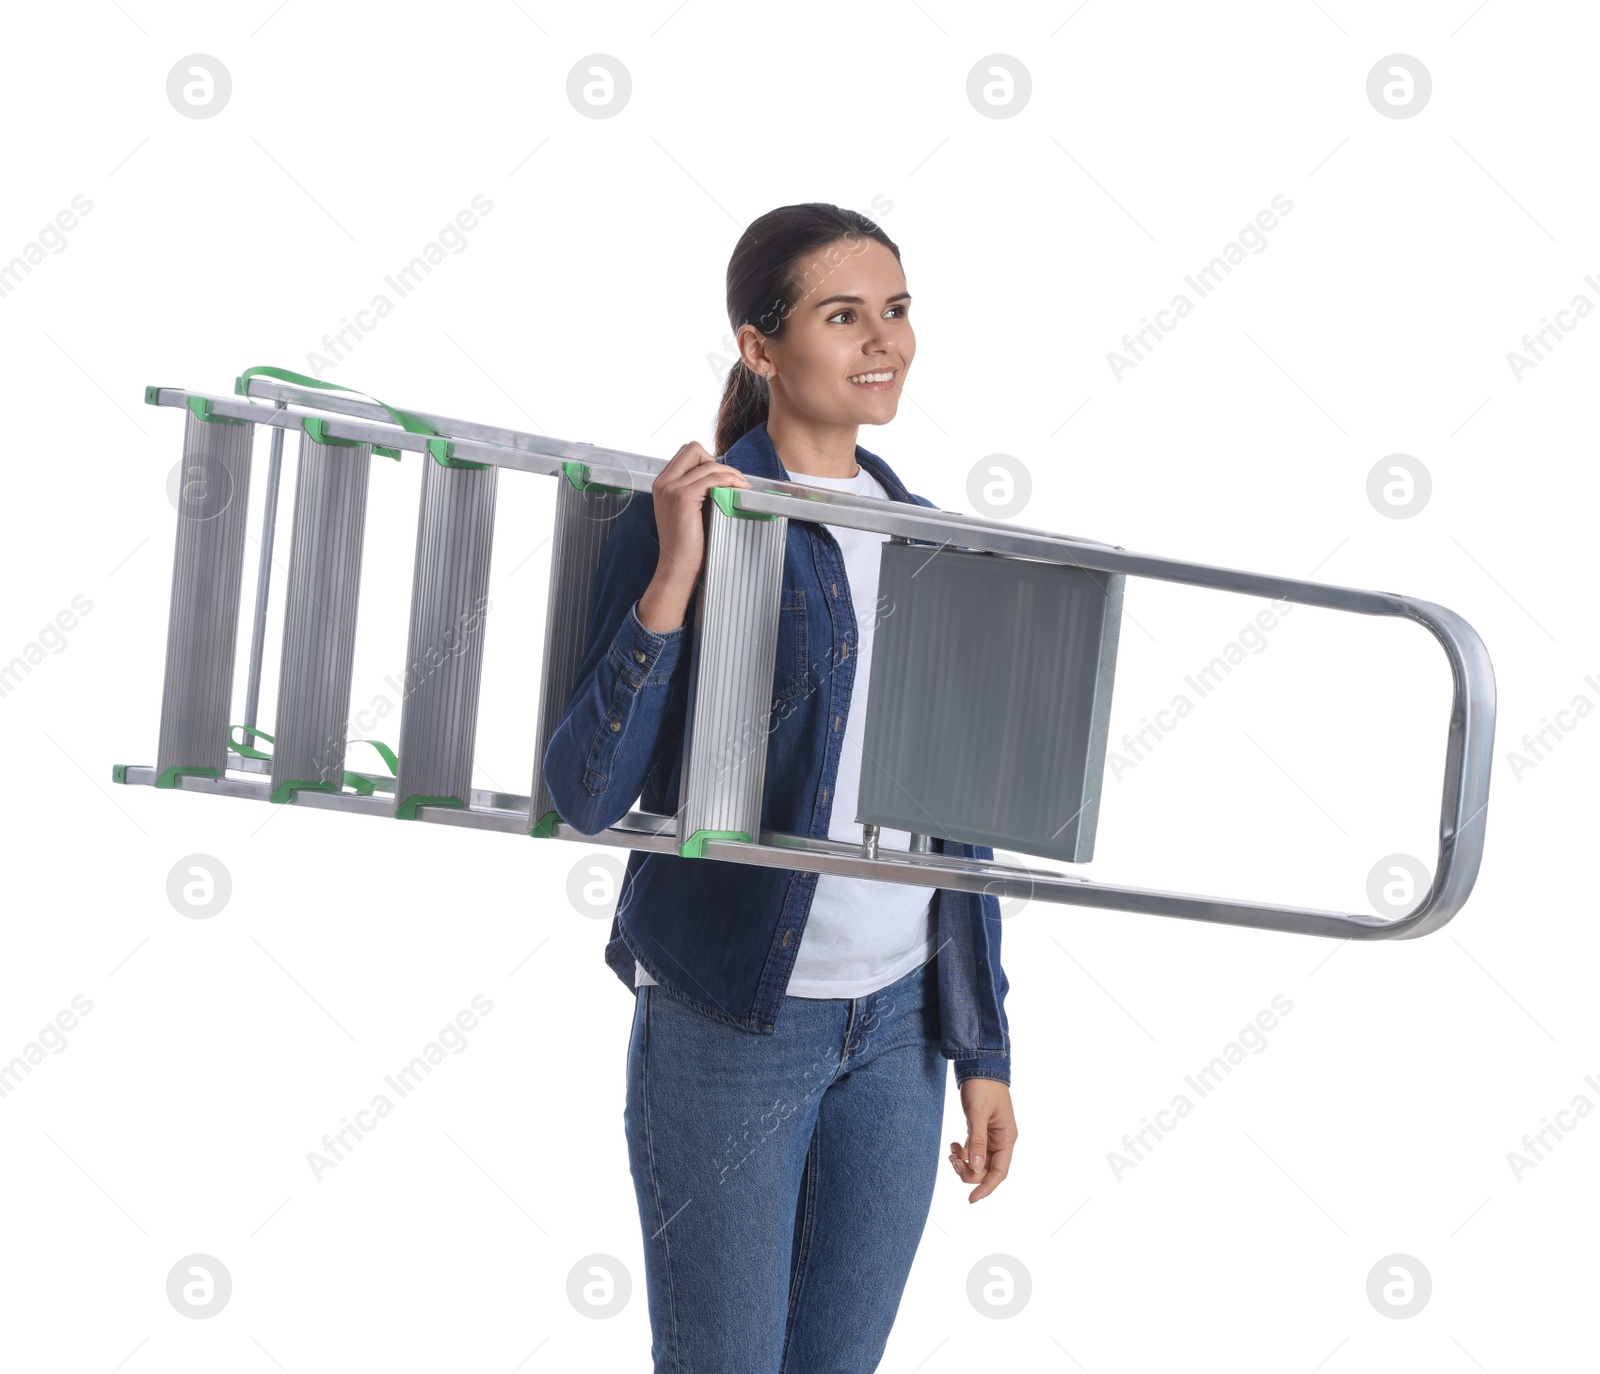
(745, 404)
(763, 279)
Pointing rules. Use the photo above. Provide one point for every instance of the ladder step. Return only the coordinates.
(203, 620)
(444, 650)
(990, 699)
(319, 628)
(585, 517)
(735, 648)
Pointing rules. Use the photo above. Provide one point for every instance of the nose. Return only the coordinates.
(880, 342)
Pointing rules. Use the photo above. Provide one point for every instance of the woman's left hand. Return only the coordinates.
(991, 1132)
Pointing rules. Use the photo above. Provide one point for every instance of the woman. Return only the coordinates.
(786, 1074)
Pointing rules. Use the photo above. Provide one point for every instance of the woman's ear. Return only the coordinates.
(754, 352)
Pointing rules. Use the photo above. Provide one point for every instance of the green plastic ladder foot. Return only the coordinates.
(695, 846)
(286, 793)
(171, 776)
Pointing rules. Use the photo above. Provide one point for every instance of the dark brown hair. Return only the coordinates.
(767, 278)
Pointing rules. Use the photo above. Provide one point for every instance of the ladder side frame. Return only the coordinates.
(1471, 727)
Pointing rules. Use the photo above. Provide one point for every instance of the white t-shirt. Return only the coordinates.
(861, 934)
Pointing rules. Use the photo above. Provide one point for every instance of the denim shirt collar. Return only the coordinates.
(754, 453)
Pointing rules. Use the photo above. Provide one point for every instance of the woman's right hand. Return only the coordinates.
(678, 494)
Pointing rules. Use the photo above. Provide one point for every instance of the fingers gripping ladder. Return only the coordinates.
(1002, 651)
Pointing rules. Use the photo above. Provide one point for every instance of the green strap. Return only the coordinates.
(443, 450)
(246, 749)
(410, 423)
(366, 784)
(363, 785)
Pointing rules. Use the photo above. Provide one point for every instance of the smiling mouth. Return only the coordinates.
(881, 380)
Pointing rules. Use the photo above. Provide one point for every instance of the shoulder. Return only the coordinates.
(745, 452)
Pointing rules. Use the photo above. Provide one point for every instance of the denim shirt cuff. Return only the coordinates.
(984, 1066)
(646, 653)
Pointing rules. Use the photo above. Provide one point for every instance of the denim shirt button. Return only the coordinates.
(639, 655)
(615, 725)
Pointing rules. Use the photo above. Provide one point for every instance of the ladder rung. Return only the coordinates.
(585, 518)
(319, 629)
(203, 619)
(444, 652)
(734, 648)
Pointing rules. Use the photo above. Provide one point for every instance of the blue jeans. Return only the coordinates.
(783, 1180)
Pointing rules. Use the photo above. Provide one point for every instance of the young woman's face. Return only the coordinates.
(847, 343)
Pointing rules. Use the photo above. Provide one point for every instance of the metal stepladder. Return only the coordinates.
(1021, 617)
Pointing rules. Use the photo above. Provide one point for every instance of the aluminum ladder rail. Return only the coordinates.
(451, 565)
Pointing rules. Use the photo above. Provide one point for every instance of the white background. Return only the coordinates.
(177, 1116)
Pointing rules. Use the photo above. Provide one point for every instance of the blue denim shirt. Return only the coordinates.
(722, 937)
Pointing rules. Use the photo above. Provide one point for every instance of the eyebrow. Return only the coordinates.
(858, 300)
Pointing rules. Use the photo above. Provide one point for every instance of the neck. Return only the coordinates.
(811, 447)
